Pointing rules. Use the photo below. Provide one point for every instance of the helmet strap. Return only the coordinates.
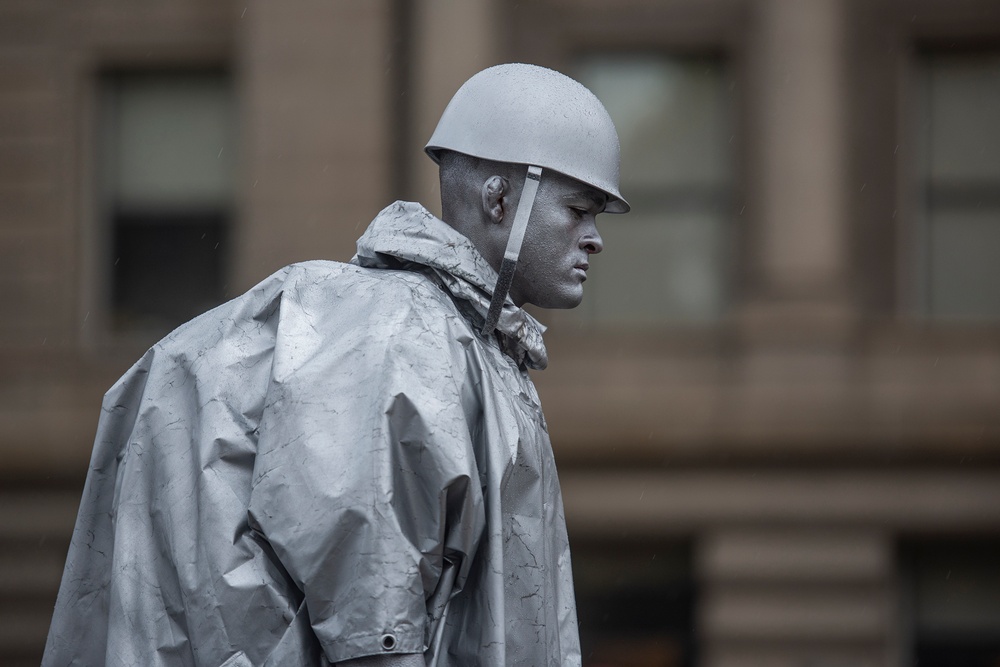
(513, 251)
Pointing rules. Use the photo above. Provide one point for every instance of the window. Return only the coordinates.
(959, 185)
(635, 604)
(952, 602)
(167, 163)
(669, 259)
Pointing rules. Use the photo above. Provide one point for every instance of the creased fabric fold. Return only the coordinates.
(333, 465)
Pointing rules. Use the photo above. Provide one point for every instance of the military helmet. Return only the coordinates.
(531, 115)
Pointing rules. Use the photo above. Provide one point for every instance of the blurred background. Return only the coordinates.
(777, 413)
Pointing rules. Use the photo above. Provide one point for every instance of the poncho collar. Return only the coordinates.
(405, 234)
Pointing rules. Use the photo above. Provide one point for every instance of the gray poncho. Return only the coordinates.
(335, 464)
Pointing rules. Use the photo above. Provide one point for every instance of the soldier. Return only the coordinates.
(349, 464)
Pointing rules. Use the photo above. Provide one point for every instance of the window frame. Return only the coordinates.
(896, 223)
(917, 286)
(97, 335)
(552, 34)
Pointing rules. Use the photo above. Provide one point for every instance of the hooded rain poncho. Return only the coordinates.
(335, 464)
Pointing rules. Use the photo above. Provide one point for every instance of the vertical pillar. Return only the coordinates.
(315, 128)
(452, 41)
(798, 161)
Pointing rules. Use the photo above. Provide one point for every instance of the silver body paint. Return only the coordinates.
(335, 464)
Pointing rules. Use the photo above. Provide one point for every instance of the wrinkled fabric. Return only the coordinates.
(335, 464)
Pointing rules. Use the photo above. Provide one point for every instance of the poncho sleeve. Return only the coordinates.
(365, 483)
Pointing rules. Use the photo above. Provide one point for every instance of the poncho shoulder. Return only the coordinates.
(254, 454)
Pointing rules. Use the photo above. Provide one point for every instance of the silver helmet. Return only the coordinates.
(530, 115)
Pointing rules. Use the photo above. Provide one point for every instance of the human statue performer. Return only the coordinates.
(348, 464)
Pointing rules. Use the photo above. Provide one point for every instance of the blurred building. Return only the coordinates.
(777, 413)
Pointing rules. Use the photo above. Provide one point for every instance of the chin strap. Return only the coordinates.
(513, 250)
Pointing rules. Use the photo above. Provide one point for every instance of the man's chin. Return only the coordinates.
(561, 301)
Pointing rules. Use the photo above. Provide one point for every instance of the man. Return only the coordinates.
(349, 464)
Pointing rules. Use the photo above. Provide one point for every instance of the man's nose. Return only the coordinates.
(592, 242)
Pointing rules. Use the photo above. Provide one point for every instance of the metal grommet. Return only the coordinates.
(388, 642)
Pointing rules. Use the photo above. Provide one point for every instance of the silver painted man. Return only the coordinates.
(348, 464)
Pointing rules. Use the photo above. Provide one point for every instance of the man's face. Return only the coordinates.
(561, 236)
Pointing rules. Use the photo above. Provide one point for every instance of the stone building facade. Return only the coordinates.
(777, 414)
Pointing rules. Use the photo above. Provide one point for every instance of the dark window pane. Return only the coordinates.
(635, 604)
(958, 652)
(166, 270)
(954, 602)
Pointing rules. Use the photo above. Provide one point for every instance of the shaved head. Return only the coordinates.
(463, 176)
(478, 198)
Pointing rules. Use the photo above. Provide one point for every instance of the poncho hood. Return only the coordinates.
(405, 235)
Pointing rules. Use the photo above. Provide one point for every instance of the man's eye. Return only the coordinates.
(578, 211)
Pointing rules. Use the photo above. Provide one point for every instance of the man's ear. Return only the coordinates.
(495, 188)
